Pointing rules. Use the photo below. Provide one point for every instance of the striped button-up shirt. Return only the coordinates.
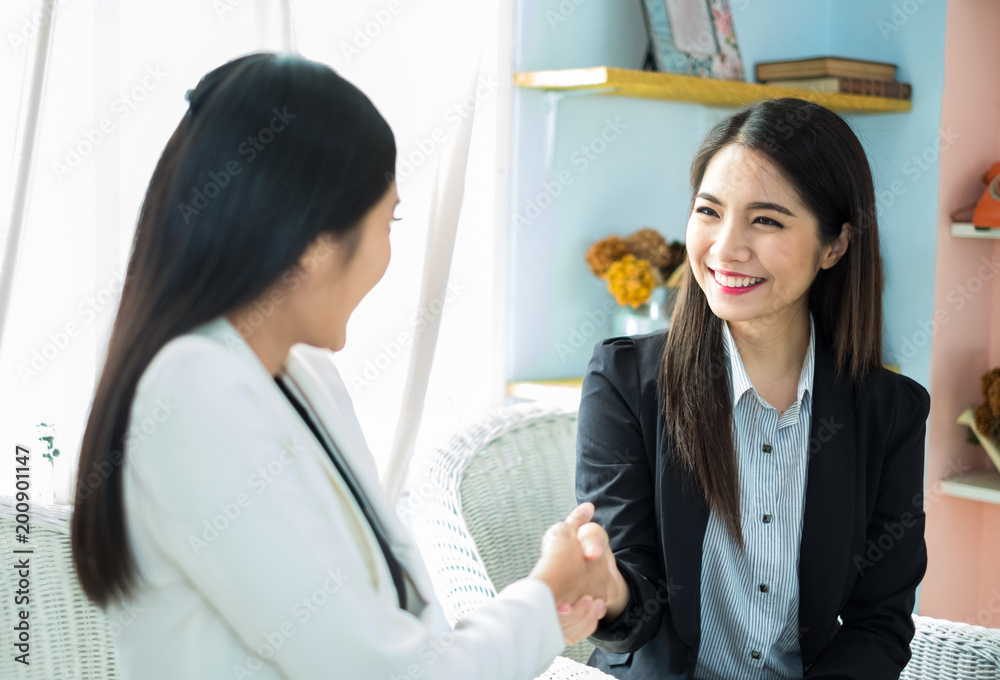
(750, 599)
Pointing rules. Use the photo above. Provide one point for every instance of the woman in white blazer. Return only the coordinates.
(228, 514)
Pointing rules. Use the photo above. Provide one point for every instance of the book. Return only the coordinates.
(864, 86)
(824, 66)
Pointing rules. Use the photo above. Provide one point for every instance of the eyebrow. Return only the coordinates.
(760, 205)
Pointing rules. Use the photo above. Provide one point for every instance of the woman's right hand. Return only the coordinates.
(576, 567)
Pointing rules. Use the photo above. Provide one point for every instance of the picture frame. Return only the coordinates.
(693, 37)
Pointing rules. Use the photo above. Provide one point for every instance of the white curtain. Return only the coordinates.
(117, 76)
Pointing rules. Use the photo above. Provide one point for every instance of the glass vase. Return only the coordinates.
(652, 316)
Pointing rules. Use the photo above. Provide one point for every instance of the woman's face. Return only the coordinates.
(752, 245)
(335, 283)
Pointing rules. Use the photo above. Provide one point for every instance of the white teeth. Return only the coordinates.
(733, 282)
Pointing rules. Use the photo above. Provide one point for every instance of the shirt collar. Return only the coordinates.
(739, 381)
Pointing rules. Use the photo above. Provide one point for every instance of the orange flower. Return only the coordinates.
(631, 280)
(603, 253)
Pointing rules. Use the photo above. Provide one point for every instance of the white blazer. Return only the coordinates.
(255, 559)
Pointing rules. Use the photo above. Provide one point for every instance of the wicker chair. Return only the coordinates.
(480, 504)
(947, 649)
(70, 638)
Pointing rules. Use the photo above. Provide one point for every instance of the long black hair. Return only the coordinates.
(818, 153)
(273, 151)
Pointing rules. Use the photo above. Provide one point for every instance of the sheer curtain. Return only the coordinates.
(116, 81)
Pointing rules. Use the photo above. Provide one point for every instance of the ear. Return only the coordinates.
(318, 251)
(832, 252)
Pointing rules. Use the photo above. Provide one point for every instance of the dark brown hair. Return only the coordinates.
(820, 156)
(274, 151)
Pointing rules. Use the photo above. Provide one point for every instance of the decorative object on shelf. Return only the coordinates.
(835, 74)
(652, 315)
(643, 272)
(984, 420)
(693, 37)
(869, 87)
(43, 473)
(819, 67)
(986, 212)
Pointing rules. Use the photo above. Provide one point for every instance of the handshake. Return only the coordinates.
(578, 566)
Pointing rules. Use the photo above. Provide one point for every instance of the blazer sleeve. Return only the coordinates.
(221, 460)
(873, 642)
(612, 472)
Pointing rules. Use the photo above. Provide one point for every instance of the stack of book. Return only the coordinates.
(835, 74)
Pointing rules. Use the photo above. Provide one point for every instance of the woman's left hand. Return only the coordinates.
(579, 621)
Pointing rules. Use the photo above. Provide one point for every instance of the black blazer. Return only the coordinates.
(862, 553)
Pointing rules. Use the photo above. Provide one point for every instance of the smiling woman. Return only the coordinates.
(776, 444)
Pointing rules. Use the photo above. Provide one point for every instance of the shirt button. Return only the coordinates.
(763, 587)
(766, 448)
(767, 519)
(755, 654)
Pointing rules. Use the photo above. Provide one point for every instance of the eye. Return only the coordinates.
(768, 221)
(705, 210)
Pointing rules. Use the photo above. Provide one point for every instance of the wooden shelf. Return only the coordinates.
(650, 85)
(967, 230)
(979, 485)
(562, 391)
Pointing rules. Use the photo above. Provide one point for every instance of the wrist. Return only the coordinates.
(551, 580)
(617, 605)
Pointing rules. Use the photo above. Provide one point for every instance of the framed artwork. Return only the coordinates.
(693, 37)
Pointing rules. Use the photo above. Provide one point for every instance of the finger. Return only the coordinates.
(582, 628)
(581, 514)
(568, 612)
(593, 540)
(592, 550)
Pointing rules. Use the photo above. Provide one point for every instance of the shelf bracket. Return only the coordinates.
(552, 99)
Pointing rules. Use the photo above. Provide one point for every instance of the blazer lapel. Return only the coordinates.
(830, 494)
(683, 517)
(326, 399)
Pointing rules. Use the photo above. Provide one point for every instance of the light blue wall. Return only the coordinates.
(640, 178)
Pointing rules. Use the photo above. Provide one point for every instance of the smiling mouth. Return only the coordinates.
(735, 281)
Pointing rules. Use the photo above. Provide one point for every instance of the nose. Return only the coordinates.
(731, 242)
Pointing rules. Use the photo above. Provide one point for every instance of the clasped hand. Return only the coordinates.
(579, 567)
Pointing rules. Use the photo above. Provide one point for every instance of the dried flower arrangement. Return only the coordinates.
(988, 413)
(635, 265)
(984, 420)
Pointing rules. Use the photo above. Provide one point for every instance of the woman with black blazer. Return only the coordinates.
(758, 472)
